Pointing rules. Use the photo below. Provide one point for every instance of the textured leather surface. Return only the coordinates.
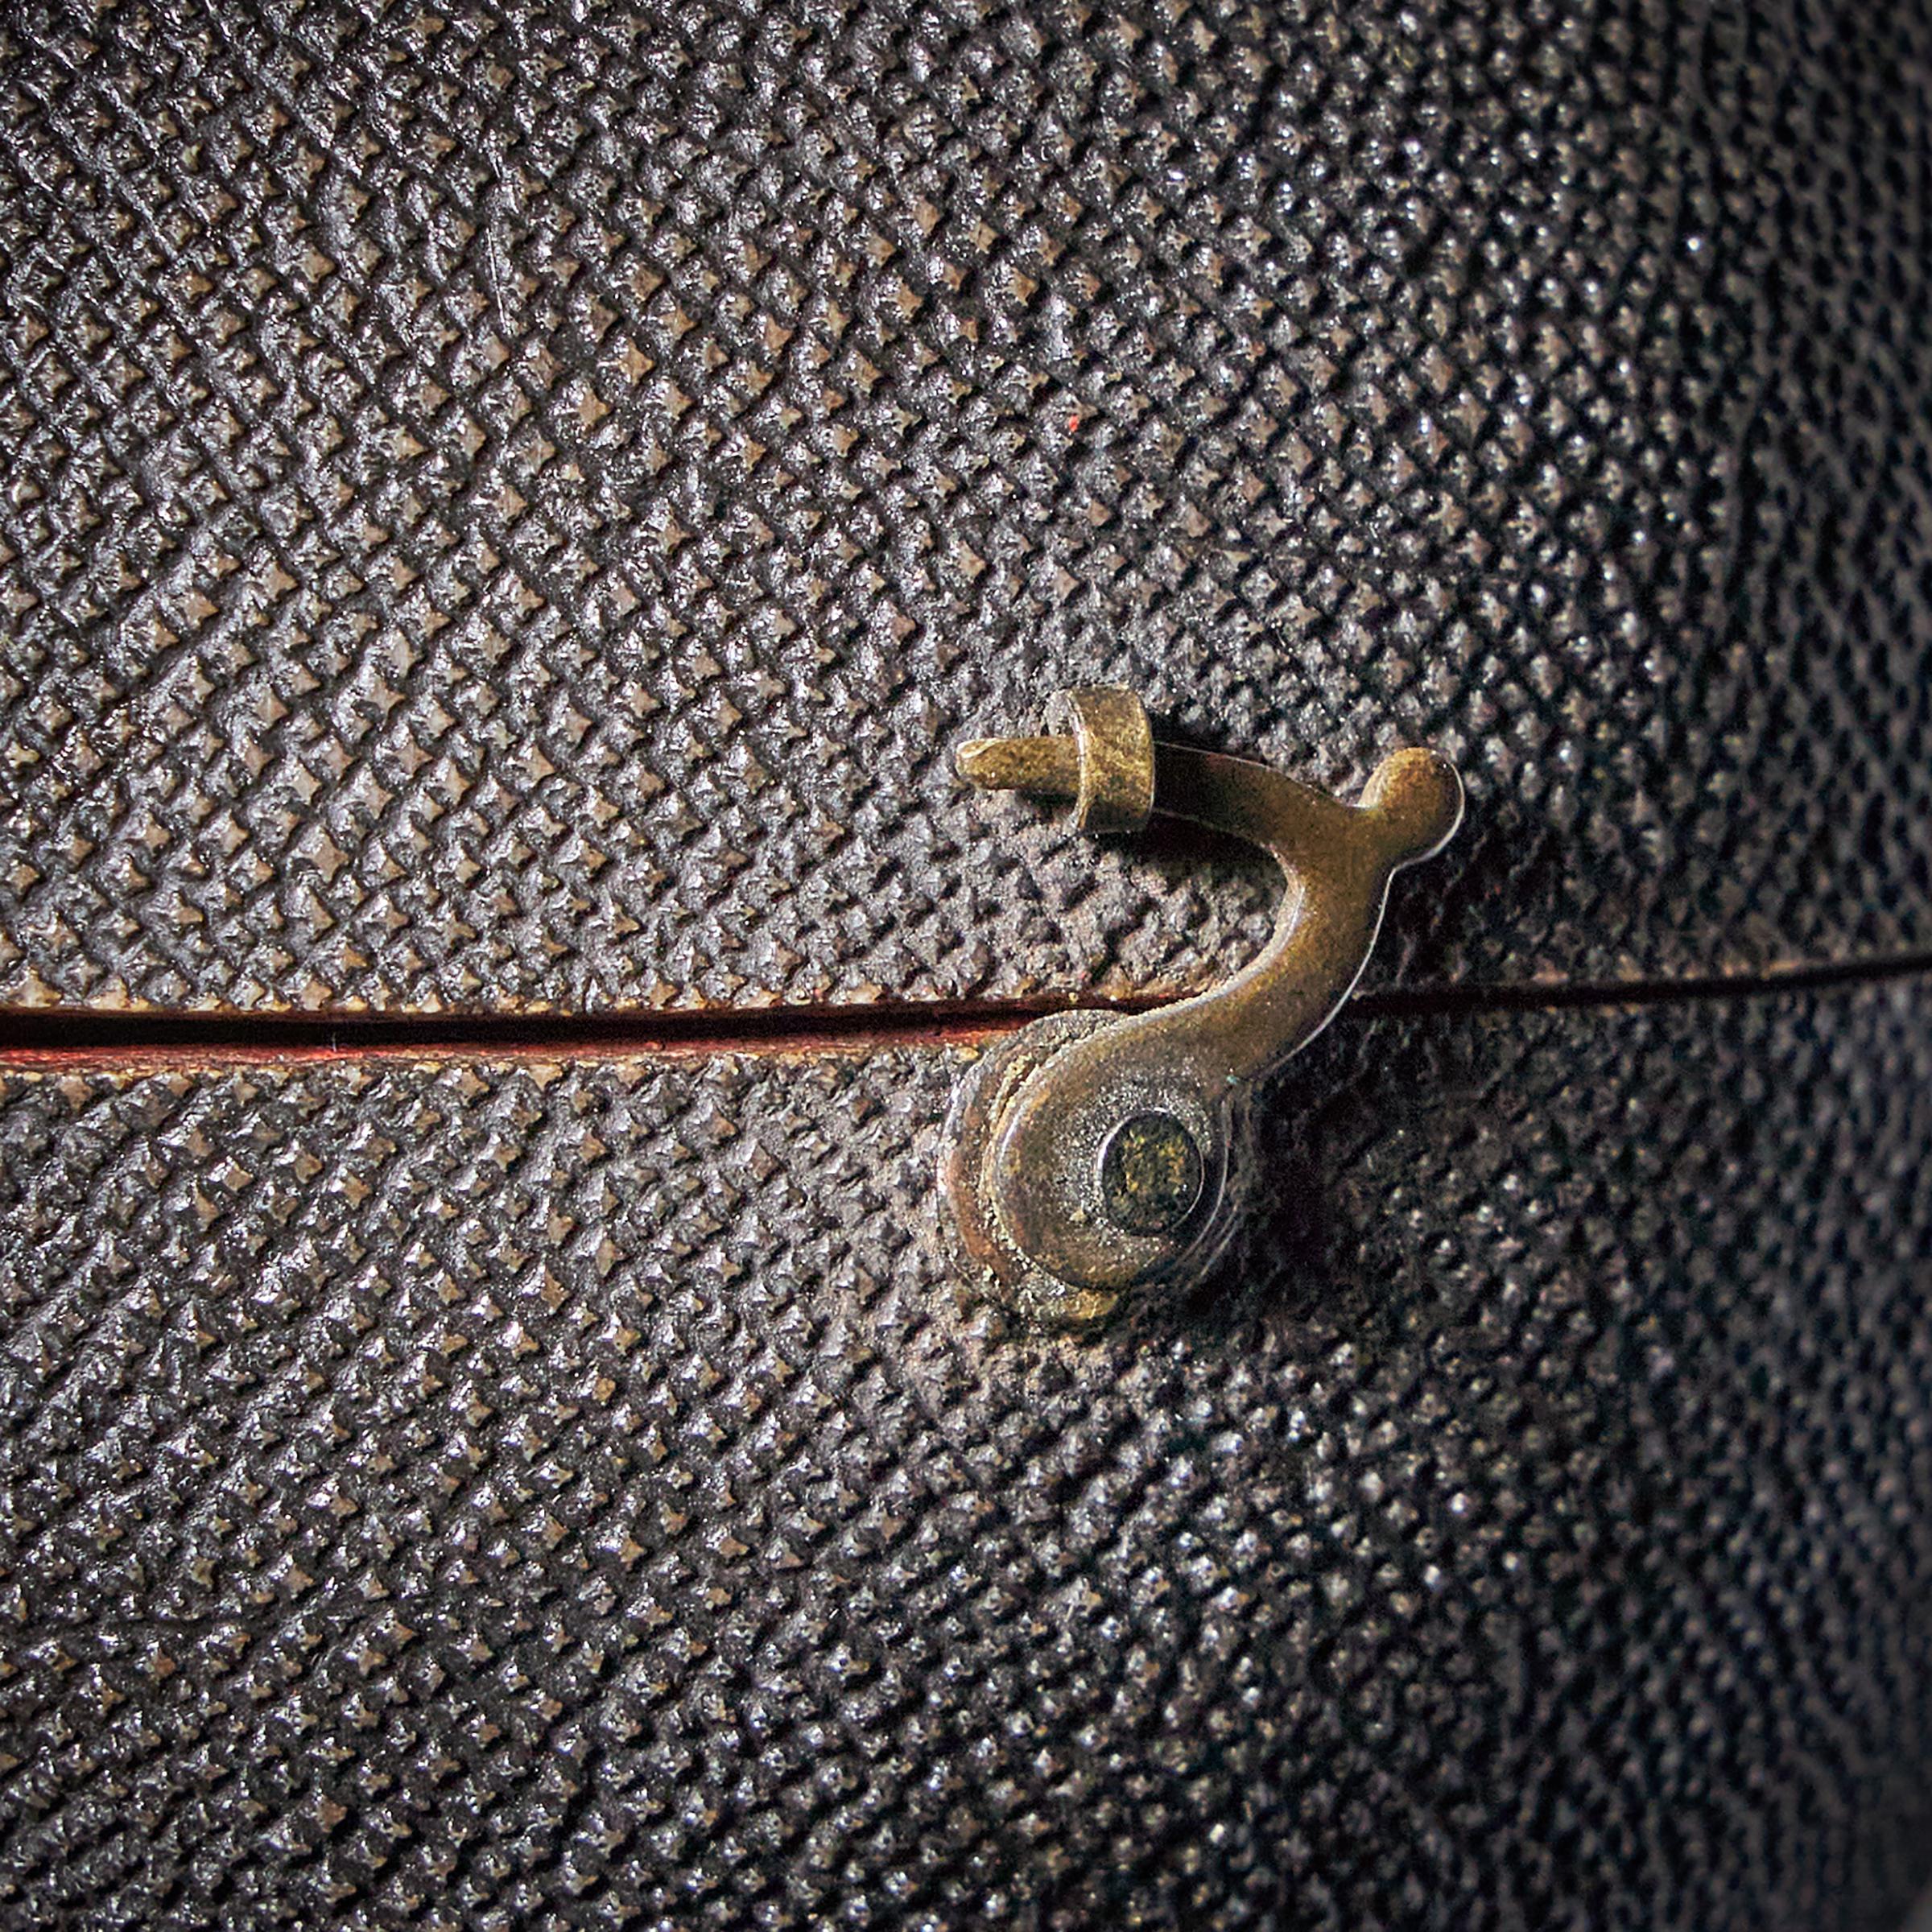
(512, 505)
(498, 1495)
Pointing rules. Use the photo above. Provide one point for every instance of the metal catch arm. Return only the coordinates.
(1091, 1153)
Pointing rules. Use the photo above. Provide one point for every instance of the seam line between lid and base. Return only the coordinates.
(61, 1039)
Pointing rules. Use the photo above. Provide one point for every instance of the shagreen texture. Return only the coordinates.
(514, 506)
(496, 1495)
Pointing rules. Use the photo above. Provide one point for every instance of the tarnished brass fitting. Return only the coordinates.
(1101, 757)
(1090, 1153)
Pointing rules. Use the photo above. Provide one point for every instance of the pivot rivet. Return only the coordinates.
(1151, 1173)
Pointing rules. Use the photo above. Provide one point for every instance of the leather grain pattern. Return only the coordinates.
(495, 1494)
(511, 506)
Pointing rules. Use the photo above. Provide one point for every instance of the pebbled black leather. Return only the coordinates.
(511, 506)
(498, 1494)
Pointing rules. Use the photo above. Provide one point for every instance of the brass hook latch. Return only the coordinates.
(1091, 1152)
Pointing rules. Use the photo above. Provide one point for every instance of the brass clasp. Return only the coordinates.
(1091, 1153)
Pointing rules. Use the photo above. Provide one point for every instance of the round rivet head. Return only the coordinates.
(1151, 1173)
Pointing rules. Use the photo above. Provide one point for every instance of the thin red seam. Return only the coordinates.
(63, 1039)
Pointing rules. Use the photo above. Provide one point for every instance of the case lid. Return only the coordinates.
(518, 516)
